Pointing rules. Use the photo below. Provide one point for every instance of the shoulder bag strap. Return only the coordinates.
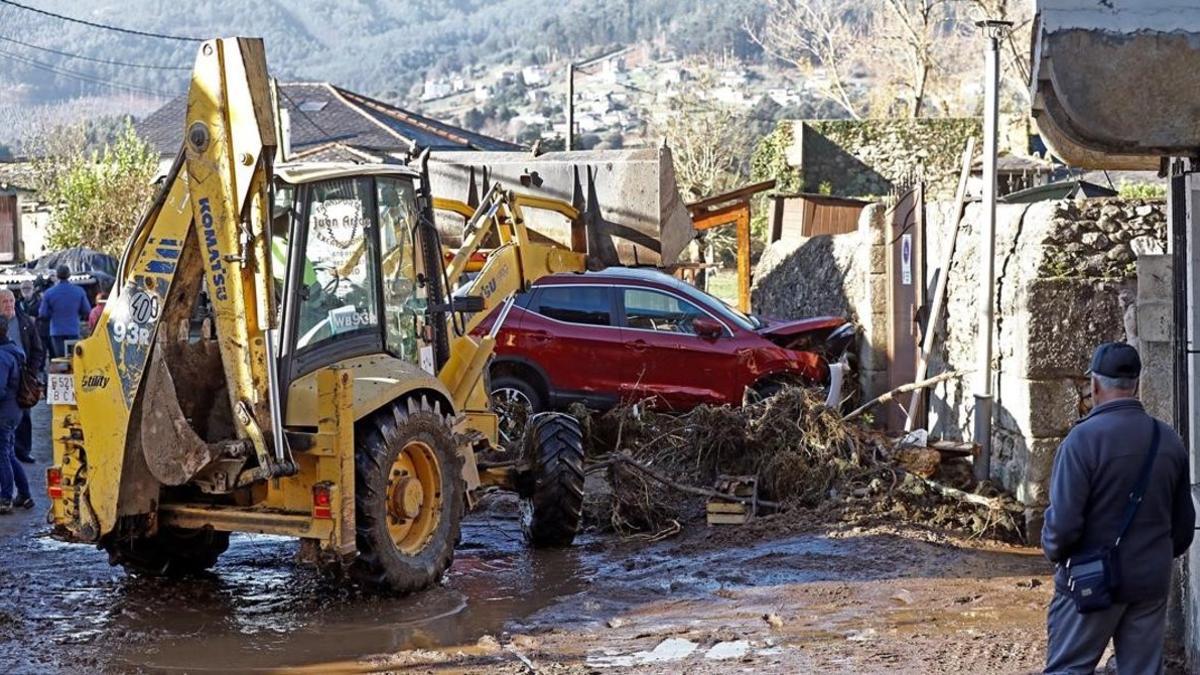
(1139, 489)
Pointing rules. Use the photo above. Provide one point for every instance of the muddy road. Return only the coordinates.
(776, 597)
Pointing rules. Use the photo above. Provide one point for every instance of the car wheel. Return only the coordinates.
(514, 401)
(768, 388)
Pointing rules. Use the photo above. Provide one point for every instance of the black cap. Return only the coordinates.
(1116, 359)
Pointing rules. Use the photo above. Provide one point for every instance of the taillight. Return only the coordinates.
(54, 482)
(322, 501)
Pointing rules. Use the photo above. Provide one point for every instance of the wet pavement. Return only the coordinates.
(701, 599)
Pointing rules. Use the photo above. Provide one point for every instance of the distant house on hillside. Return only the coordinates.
(326, 122)
(23, 217)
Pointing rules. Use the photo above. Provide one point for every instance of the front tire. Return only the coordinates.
(409, 497)
(552, 501)
(171, 552)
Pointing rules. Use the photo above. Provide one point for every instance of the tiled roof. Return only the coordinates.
(321, 113)
(17, 176)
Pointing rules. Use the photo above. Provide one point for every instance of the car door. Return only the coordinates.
(672, 363)
(571, 332)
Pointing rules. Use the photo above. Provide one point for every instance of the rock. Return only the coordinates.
(1147, 244)
(1120, 255)
(773, 620)
(904, 596)
(527, 642)
(1108, 224)
(488, 644)
(1144, 210)
(616, 622)
(1095, 240)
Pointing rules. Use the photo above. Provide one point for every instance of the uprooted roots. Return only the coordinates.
(802, 453)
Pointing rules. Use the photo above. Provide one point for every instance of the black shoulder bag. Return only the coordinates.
(1092, 578)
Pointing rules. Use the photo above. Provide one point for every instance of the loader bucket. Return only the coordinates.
(631, 206)
(1097, 65)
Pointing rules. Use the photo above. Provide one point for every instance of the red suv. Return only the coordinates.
(630, 334)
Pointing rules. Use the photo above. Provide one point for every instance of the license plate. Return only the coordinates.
(60, 389)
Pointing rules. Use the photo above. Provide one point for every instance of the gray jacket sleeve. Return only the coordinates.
(1070, 485)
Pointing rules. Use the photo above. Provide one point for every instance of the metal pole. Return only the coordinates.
(570, 106)
(995, 30)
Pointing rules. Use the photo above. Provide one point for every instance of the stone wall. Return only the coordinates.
(1065, 281)
(834, 275)
(865, 158)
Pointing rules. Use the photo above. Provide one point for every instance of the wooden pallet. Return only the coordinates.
(729, 512)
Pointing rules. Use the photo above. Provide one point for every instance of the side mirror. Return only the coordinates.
(707, 328)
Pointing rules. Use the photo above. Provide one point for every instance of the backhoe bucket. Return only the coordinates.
(632, 211)
(1115, 83)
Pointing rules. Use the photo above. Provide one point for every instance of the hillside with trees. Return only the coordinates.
(381, 48)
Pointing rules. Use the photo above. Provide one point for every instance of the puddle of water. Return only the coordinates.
(260, 609)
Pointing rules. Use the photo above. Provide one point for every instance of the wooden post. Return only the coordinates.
(933, 321)
(743, 258)
(732, 208)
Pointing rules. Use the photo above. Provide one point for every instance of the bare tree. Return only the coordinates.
(915, 54)
(708, 141)
(908, 42)
(817, 34)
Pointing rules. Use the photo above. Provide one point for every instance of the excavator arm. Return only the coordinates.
(511, 268)
(206, 230)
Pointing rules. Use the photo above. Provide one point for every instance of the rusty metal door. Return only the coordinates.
(906, 294)
(8, 228)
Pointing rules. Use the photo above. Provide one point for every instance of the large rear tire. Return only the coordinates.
(552, 499)
(171, 552)
(409, 497)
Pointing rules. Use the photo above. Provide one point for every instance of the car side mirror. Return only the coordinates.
(707, 328)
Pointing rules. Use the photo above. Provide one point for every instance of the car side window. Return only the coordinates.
(659, 312)
(587, 305)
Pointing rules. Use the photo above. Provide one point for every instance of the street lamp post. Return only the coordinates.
(570, 106)
(995, 32)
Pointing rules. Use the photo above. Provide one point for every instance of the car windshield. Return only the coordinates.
(712, 302)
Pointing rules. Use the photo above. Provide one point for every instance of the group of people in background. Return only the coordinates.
(28, 326)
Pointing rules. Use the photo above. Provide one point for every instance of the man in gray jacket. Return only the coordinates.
(1095, 471)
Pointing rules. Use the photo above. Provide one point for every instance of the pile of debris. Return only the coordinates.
(800, 455)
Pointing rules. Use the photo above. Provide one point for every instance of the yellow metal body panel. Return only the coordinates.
(378, 380)
(67, 454)
(283, 506)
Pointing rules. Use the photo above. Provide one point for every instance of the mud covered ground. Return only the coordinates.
(782, 596)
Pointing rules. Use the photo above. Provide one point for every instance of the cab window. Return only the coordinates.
(337, 294)
(403, 300)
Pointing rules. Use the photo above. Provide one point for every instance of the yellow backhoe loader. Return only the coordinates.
(339, 398)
